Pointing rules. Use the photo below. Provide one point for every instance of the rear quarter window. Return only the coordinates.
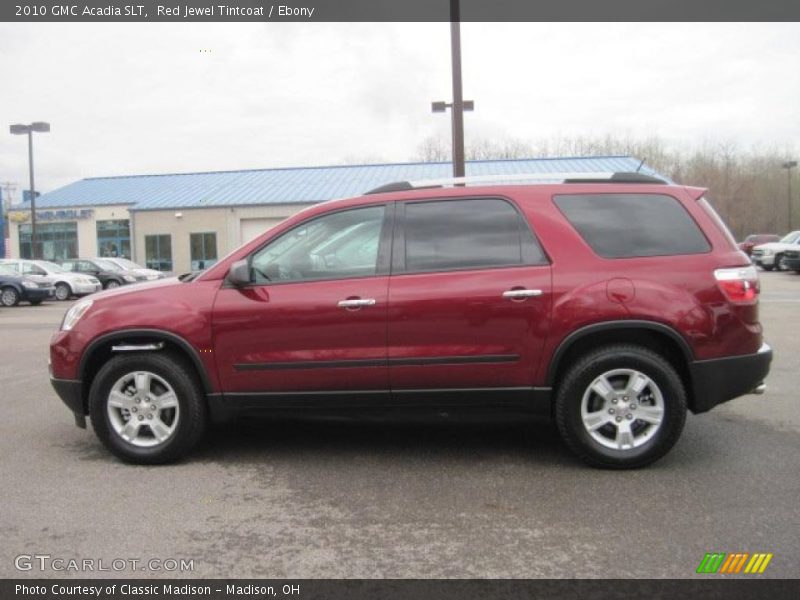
(633, 225)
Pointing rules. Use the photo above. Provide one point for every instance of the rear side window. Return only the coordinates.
(631, 225)
(467, 234)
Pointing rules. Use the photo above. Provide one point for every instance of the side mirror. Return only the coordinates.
(239, 273)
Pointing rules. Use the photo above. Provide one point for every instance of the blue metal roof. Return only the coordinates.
(295, 185)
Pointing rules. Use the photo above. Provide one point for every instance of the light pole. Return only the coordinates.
(39, 127)
(458, 130)
(789, 165)
(458, 105)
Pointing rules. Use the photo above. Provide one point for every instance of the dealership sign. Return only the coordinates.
(21, 216)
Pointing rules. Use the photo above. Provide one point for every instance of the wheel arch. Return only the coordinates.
(651, 334)
(99, 351)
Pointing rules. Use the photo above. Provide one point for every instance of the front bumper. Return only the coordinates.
(792, 263)
(721, 379)
(764, 260)
(71, 393)
(81, 289)
(38, 293)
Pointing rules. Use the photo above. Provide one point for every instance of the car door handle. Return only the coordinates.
(356, 302)
(515, 294)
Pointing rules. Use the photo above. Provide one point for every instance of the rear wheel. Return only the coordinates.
(147, 408)
(621, 407)
(63, 291)
(9, 296)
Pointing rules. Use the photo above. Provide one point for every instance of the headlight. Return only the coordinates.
(129, 278)
(83, 280)
(29, 284)
(74, 314)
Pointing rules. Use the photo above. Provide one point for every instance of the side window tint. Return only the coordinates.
(467, 234)
(631, 225)
(339, 245)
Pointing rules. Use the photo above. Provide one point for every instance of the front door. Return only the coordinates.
(469, 299)
(314, 317)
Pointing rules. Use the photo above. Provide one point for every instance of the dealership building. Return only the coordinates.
(186, 221)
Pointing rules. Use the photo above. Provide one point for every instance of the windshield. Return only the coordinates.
(107, 265)
(126, 264)
(790, 238)
(46, 264)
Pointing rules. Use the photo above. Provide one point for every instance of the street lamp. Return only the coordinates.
(459, 105)
(39, 127)
(789, 165)
(458, 129)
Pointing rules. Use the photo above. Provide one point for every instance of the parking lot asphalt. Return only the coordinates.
(344, 500)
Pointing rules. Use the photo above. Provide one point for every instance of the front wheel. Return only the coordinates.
(780, 263)
(621, 407)
(112, 285)
(147, 408)
(63, 291)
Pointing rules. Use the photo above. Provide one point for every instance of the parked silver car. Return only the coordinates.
(66, 283)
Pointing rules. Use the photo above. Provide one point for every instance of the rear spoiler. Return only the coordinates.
(695, 192)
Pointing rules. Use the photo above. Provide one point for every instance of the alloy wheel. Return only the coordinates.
(622, 409)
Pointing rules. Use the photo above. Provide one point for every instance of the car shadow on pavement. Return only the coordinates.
(260, 439)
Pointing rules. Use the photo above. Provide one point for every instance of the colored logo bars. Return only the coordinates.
(720, 562)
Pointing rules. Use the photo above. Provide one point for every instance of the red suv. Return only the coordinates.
(610, 302)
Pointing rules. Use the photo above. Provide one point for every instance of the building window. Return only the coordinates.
(158, 252)
(203, 250)
(114, 238)
(54, 241)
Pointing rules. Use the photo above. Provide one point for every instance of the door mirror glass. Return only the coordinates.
(239, 274)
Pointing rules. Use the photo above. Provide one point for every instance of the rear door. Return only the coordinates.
(469, 297)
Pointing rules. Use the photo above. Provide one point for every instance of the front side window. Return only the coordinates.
(203, 250)
(158, 252)
(467, 234)
(339, 245)
(32, 269)
(633, 225)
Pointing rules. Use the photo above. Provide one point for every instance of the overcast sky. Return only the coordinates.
(143, 98)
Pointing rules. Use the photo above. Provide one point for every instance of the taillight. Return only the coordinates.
(739, 284)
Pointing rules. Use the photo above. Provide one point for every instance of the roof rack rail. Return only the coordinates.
(588, 177)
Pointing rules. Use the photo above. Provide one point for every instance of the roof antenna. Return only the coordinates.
(639, 168)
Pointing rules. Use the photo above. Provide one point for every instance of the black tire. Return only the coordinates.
(779, 266)
(767, 267)
(63, 291)
(112, 284)
(585, 371)
(9, 296)
(191, 404)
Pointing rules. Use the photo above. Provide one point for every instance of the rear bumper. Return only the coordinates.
(721, 379)
(71, 393)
